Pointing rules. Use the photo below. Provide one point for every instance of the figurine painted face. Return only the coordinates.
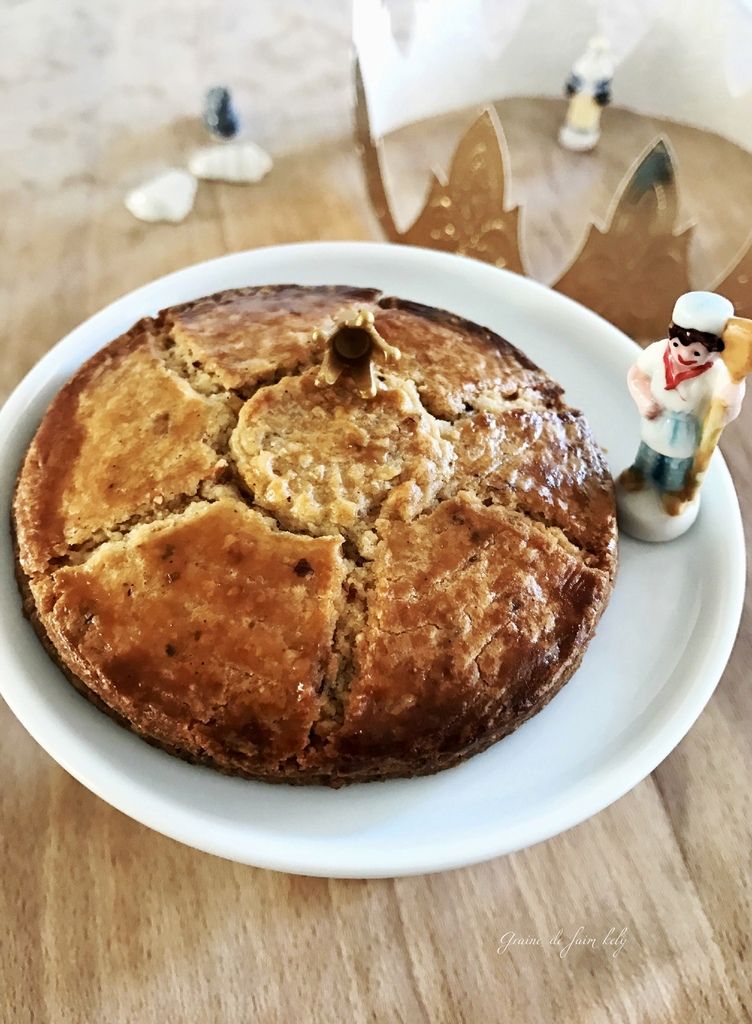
(689, 348)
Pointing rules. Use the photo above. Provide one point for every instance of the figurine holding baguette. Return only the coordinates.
(687, 388)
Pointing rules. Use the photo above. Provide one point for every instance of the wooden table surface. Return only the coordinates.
(103, 920)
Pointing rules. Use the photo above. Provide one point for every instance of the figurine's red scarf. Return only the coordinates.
(676, 377)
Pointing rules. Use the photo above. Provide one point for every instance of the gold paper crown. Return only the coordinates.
(630, 269)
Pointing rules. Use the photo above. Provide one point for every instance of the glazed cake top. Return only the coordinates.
(209, 535)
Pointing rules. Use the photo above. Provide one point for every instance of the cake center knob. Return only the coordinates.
(353, 347)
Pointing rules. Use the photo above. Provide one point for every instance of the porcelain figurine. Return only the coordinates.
(220, 117)
(687, 388)
(589, 91)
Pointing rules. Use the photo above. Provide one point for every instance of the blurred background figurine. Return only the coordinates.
(220, 118)
(687, 388)
(589, 90)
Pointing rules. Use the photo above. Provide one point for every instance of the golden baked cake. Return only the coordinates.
(308, 583)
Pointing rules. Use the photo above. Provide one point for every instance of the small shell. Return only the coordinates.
(241, 162)
(168, 197)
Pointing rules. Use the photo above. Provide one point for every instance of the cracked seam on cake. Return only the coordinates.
(180, 363)
(177, 358)
(334, 692)
(538, 402)
(495, 498)
(542, 526)
(167, 511)
(488, 493)
(348, 671)
(551, 529)
(160, 508)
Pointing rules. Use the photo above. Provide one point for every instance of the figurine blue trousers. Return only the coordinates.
(678, 431)
(667, 473)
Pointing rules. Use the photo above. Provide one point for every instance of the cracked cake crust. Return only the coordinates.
(302, 585)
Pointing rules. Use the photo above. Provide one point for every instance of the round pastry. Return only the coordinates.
(233, 547)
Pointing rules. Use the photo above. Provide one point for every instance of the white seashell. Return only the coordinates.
(234, 162)
(168, 197)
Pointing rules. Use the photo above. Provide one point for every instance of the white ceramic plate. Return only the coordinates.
(660, 649)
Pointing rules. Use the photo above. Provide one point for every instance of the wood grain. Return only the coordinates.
(103, 920)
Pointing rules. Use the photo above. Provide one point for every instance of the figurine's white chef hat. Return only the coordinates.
(703, 311)
(596, 64)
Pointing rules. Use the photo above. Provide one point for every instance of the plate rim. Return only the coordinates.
(585, 798)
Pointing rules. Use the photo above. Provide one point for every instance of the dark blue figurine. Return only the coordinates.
(219, 114)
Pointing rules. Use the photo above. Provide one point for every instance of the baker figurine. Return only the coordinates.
(589, 90)
(686, 388)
